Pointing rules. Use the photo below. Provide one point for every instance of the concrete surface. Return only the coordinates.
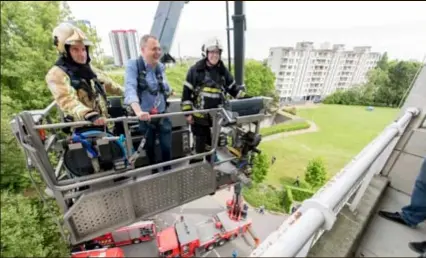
(385, 238)
(343, 238)
(200, 210)
(404, 171)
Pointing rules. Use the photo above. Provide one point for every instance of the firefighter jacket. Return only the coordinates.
(205, 87)
(79, 99)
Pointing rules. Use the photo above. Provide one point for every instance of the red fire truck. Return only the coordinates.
(185, 239)
(111, 252)
(138, 232)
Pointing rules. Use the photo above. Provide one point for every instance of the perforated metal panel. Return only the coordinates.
(173, 190)
(103, 211)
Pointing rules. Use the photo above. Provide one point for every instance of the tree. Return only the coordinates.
(383, 62)
(27, 50)
(259, 80)
(260, 167)
(383, 88)
(14, 176)
(315, 173)
(28, 229)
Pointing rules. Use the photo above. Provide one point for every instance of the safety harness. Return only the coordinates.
(143, 84)
(210, 94)
(78, 83)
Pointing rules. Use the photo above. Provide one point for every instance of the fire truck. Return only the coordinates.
(133, 234)
(185, 239)
(106, 252)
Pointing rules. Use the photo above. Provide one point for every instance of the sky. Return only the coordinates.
(396, 27)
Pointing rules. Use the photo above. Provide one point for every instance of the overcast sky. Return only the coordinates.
(396, 27)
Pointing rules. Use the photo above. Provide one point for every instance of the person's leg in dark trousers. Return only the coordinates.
(165, 138)
(147, 131)
(414, 213)
(203, 138)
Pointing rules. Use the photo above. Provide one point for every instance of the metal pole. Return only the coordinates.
(239, 20)
(228, 36)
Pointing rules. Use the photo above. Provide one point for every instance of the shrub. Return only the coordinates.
(284, 127)
(316, 174)
(287, 199)
(258, 195)
(300, 194)
(291, 110)
(28, 229)
(260, 167)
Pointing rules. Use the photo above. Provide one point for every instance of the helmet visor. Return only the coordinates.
(213, 48)
(78, 37)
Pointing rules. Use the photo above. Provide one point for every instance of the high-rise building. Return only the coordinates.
(124, 46)
(305, 73)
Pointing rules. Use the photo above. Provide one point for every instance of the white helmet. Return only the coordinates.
(211, 44)
(68, 34)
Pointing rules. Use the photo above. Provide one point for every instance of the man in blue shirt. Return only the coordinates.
(146, 90)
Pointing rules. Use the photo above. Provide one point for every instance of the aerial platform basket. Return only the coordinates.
(96, 204)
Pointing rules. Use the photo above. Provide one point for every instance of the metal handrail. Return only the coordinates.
(102, 177)
(125, 118)
(319, 212)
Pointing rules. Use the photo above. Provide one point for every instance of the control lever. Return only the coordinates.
(135, 155)
(228, 120)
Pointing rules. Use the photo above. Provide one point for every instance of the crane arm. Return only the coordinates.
(166, 21)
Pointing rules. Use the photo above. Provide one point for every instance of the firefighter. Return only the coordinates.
(207, 83)
(78, 89)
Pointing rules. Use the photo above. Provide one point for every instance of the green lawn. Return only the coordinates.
(343, 132)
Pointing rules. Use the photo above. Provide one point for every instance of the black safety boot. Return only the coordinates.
(395, 217)
(418, 247)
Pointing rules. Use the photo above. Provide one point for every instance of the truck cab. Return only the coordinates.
(180, 240)
(111, 252)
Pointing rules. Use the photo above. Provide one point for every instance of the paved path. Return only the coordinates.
(313, 128)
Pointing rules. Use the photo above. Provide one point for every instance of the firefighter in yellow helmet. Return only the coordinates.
(78, 89)
(207, 83)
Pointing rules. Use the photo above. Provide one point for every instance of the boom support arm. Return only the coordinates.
(166, 20)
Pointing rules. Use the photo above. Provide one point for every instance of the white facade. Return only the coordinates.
(124, 46)
(305, 73)
(132, 43)
(113, 39)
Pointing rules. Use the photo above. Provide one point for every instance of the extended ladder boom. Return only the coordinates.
(166, 20)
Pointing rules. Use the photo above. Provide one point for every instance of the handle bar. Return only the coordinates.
(125, 118)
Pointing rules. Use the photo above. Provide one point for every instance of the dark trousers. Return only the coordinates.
(161, 128)
(203, 140)
(415, 212)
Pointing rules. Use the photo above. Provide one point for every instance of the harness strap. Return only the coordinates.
(78, 83)
(143, 84)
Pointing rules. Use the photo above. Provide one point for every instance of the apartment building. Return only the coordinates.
(124, 45)
(305, 73)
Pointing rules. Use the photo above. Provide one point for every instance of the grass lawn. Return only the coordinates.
(343, 132)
